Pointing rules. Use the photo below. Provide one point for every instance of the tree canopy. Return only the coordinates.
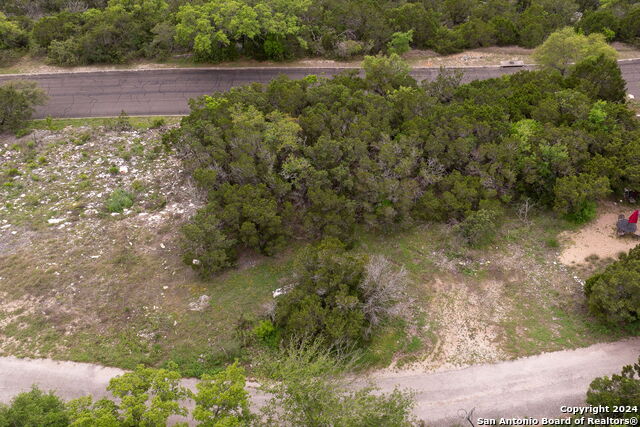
(321, 157)
(114, 31)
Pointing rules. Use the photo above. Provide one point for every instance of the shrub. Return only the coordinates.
(346, 49)
(158, 122)
(206, 247)
(64, 52)
(400, 42)
(17, 103)
(121, 124)
(575, 196)
(308, 381)
(266, 332)
(34, 408)
(119, 200)
(478, 228)
(621, 390)
(337, 296)
(614, 295)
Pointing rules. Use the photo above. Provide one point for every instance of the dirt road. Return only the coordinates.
(535, 386)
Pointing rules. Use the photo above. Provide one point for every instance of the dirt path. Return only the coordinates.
(535, 386)
(598, 238)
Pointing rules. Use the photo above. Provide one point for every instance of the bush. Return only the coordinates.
(34, 408)
(400, 42)
(119, 200)
(206, 247)
(308, 381)
(158, 122)
(17, 103)
(621, 390)
(64, 52)
(600, 77)
(566, 47)
(121, 124)
(614, 295)
(575, 196)
(478, 228)
(267, 333)
(337, 296)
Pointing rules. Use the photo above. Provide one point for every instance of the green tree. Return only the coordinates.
(386, 73)
(599, 77)
(400, 42)
(337, 296)
(205, 245)
(478, 228)
(601, 21)
(212, 29)
(566, 47)
(575, 195)
(222, 399)
(148, 396)
(18, 100)
(85, 412)
(616, 391)
(34, 409)
(11, 35)
(614, 295)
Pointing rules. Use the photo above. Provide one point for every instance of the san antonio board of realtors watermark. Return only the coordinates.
(580, 415)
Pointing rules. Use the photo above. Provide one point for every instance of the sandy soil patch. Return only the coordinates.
(597, 238)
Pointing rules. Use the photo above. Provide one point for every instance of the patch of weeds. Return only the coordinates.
(121, 124)
(113, 170)
(12, 172)
(156, 201)
(552, 242)
(81, 139)
(385, 343)
(126, 258)
(138, 186)
(194, 362)
(22, 132)
(119, 200)
(137, 149)
(158, 122)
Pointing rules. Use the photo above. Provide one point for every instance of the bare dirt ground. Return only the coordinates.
(417, 58)
(597, 240)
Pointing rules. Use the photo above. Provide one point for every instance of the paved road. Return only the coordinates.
(534, 386)
(166, 92)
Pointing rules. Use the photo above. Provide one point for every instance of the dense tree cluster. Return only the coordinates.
(70, 32)
(316, 158)
(614, 294)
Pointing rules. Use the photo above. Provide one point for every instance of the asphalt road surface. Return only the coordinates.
(531, 387)
(166, 92)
